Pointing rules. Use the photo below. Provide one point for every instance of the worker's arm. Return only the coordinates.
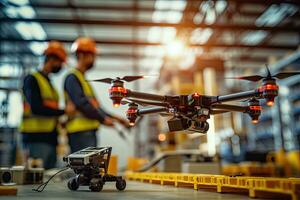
(122, 121)
(33, 96)
(80, 100)
(103, 112)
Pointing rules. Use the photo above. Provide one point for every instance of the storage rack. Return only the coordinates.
(279, 126)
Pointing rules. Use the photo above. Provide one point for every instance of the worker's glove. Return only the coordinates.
(108, 122)
(123, 122)
(70, 109)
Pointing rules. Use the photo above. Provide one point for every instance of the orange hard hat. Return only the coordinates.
(56, 48)
(84, 44)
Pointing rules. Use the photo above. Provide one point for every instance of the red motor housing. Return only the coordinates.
(131, 113)
(117, 92)
(269, 91)
(254, 110)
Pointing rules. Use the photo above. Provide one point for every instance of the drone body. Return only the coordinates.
(191, 112)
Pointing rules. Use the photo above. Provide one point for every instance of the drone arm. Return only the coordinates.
(228, 107)
(218, 111)
(238, 96)
(153, 110)
(145, 103)
(146, 96)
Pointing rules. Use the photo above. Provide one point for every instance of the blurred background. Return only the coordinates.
(190, 46)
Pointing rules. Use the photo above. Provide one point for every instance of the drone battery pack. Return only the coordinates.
(177, 124)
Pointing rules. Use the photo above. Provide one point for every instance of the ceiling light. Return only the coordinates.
(175, 48)
(30, 30)
(254, 37)
(200, 36)
(19, 2)
(168, 35)
(38, 31)
(220, 6)
(37, 47)
(24, 30)
(275, 14)
(167, 4)
(26, 12)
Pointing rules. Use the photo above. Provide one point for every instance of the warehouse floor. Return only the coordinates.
(134, 190)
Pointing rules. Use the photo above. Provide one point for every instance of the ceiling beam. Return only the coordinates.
(110, 68)
(229, 27)
(145, 43)
(265, 2)
(120, 8)
(140, 56)
(249, 59)
(9, 89)
(102, 55)
(9, 78)
(107, 7)
(70, 40)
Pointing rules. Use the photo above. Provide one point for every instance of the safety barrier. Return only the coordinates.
(254, 186)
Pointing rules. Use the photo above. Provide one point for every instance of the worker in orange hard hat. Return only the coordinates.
(55, 48)
(82, 127)
(41, 111)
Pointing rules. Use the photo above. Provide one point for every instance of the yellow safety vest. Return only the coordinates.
(33, 123)
(79, 122)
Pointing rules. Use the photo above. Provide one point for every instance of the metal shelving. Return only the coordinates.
(280, 124)
(7, 146)
(291, 115)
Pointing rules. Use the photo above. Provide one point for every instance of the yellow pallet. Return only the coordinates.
(252, 169)
(8, 190)
(253, 186)
(134, 164)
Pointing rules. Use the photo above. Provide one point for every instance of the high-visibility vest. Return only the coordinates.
(34, 123)
(79, 122)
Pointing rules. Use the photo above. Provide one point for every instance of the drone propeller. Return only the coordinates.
(126, 102)
(104, 80)
(252, 99)
(129, 101)
(283, 75)
(256, 78)
(131, 78)
(125, 78)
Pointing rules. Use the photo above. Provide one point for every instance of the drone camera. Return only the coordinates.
(199, 126)
(203, 112)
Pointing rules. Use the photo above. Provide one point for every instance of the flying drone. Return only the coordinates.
(191, 112)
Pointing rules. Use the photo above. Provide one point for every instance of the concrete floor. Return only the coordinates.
(134, 190)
